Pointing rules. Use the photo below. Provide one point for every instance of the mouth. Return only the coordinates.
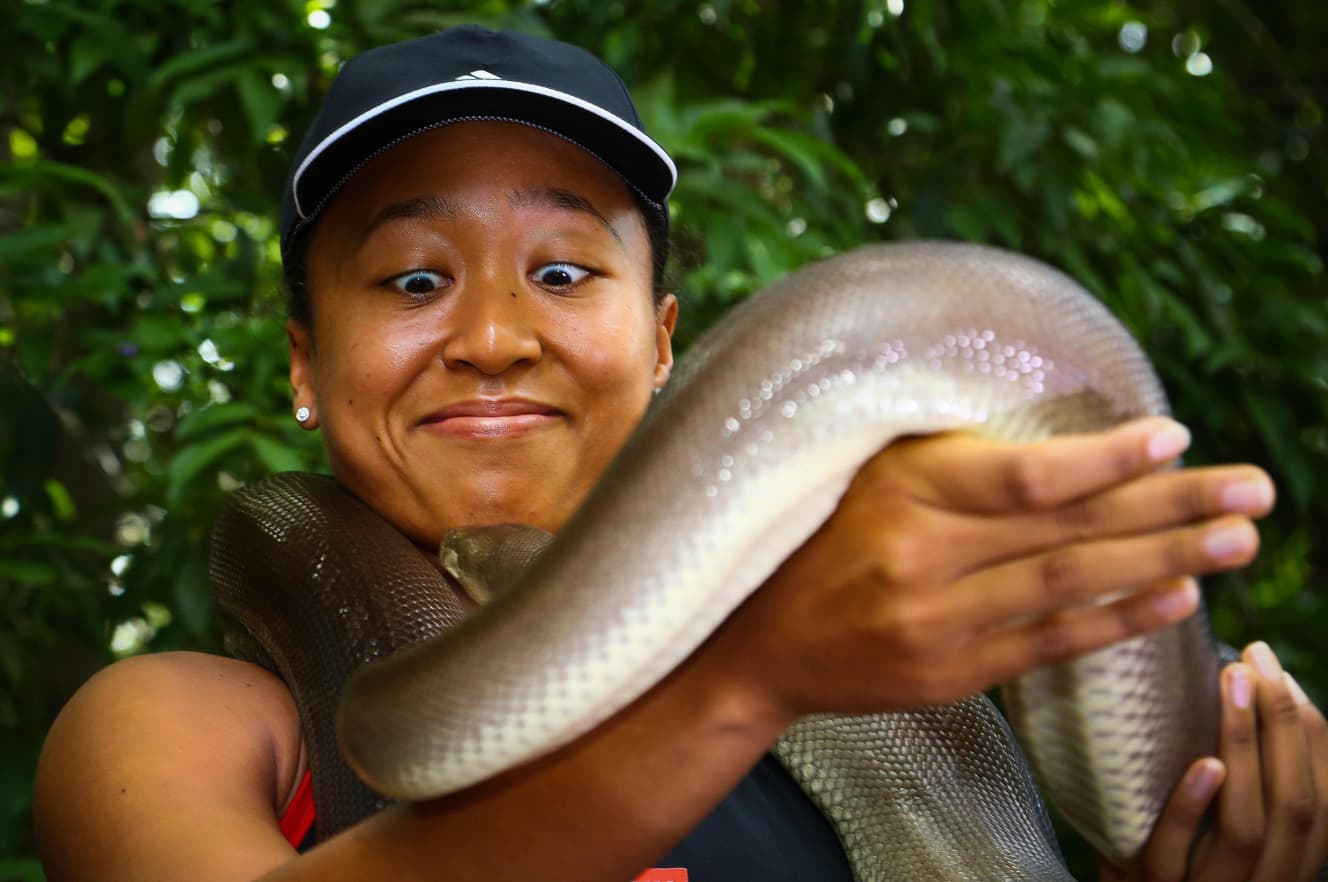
(491, 418)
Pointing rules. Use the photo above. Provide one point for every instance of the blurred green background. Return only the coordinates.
(1168, 155)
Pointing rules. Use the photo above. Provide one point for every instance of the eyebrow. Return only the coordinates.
(432, 208)
(565, 200)
(415, 208)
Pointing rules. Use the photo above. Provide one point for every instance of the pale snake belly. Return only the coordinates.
(746, 453)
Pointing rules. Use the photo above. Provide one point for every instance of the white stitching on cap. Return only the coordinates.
(475, 84)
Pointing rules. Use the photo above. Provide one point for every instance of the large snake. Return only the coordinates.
(745, 454)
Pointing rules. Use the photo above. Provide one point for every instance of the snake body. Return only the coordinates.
(745, 454)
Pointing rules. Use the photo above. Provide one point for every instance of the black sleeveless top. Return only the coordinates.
(766, 830)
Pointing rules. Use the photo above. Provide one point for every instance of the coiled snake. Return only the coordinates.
(745, 454)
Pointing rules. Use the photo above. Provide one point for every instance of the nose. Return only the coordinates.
(492, 328)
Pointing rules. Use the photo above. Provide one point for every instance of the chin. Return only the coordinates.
(503, 502)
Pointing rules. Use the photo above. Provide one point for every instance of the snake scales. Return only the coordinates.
(742, 457)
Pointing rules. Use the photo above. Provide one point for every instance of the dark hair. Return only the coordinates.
(656, 219)
(299, 302)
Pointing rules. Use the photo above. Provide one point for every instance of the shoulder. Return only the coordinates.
(188, 700)
(158, 752)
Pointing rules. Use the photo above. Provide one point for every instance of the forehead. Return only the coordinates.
(480, 157)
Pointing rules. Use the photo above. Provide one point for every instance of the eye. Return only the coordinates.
(559, 275)
(418, 283)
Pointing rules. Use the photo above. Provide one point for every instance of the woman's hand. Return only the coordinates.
(954, 563)
(1270, 822)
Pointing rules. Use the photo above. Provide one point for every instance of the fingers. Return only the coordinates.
(1077, 574)
(1166, 855)
(1289, 797)
(1233, 849)
(1164, 499)
(1316, 736)
(994, 477)
(1071, 489)
(1007, 652)
(1270, 823)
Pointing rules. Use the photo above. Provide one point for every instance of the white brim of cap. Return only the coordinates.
(378, 110)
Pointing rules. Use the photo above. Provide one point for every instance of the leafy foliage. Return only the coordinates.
(144, 145)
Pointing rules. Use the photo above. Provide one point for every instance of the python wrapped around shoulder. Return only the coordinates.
(744, 456)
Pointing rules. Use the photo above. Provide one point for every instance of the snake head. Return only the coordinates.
(486, 561)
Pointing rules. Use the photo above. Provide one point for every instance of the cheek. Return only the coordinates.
(615, 351)
(360, 367)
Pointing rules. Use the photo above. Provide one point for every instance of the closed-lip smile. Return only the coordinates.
(491, 418)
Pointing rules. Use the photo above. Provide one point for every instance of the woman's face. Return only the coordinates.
(484, 339)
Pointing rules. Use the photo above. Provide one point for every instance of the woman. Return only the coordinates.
(474, 233)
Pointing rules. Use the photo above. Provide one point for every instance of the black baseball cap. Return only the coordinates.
(388, 94)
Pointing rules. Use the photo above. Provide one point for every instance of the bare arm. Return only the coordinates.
(890, 605)
(170, 767)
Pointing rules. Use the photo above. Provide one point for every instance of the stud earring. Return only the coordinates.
(302, 414)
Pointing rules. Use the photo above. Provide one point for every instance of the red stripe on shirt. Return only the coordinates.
(298, 818)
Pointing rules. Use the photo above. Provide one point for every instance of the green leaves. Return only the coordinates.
(261, 102)
(1177, 199)
(212, 418)
(191, 460)
(227, 434)
(191, 63)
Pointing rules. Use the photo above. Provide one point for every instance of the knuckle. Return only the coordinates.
(912, 628)
(1244, 838)
(1081, 519)
(1190, 500)
(1027, 482)
(1177, 556)
(1134, 615)
(1124, 462)
(1059, 573)
(899, 557)
(1056, 642)
(1300, 813)
(1285, 711)
(1241, 736)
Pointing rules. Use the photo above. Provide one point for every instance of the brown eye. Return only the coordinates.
(418, 283)
(559, 275)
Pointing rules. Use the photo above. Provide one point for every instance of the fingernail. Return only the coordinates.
(1247, 496)
(1232, 541)
(1168, 443)
(1203, 783)
(1178, 600)
(1296, 692)
(1239, 683)
(1265, 661)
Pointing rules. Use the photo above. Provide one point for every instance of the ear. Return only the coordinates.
(301, 341)
(666, 319)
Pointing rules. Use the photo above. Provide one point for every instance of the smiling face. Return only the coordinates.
(483, 337)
